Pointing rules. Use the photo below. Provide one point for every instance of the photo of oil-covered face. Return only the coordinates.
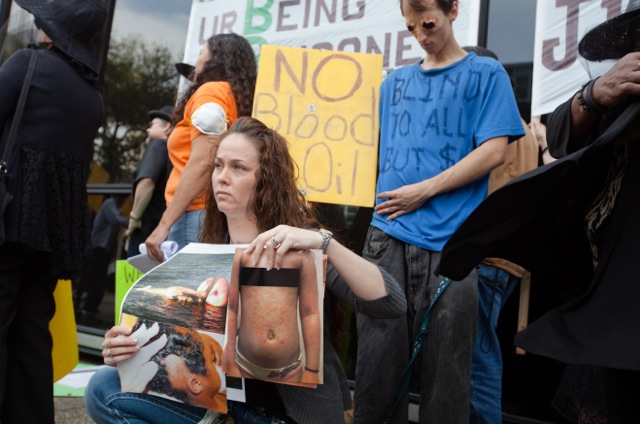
(188, 367)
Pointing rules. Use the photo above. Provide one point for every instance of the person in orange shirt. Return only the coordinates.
(221, 91)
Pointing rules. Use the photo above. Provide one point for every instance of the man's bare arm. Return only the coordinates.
(141, 199)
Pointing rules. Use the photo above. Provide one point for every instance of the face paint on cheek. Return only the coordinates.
(428, 25)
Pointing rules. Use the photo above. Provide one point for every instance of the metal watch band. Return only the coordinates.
(326, 238)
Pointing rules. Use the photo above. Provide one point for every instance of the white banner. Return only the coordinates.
(558, 69)
(359, 26)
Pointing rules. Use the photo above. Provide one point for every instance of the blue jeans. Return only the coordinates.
(494, 287)
(185, 229)
(444, 366)
(106, 404)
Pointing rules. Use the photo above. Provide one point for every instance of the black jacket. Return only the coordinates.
(538, 221)
(51, 157)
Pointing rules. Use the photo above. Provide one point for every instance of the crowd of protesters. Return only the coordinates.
(458, 220)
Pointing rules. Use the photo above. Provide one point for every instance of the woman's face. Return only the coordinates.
(157, 129)
(204, 56)
(431, 28)
(234, 176)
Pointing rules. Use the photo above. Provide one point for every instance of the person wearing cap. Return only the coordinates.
(222, 90)
(48, 226)
(150, 180)
(575, 221)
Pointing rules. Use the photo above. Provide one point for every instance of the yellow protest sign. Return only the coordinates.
(325, 103)
(64, 354)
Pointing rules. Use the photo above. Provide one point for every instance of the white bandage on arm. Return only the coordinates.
(210, 119)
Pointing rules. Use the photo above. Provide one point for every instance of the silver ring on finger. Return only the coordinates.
(109, 353)
(275, 242)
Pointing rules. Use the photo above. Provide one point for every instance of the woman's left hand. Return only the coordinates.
(272, 245)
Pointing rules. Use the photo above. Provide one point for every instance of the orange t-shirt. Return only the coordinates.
(179, 143)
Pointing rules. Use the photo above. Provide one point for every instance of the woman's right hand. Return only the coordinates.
(118, 345)
(136, 372)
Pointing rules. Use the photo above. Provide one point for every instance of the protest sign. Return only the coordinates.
(372, 26)
(326, 105)
(558, 69)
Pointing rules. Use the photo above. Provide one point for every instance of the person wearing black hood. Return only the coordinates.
(47, 224)
(600, 328)
(580, 219)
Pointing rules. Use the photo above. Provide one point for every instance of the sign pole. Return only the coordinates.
(483, 29)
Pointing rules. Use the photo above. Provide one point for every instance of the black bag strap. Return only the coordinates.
(17, 117)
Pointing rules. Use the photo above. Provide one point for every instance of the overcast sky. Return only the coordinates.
(512, 29)
(162, 22)
(165, 22)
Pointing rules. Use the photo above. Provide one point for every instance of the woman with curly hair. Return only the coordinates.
(222, 91)
(253, 198)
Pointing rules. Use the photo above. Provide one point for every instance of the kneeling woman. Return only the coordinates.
(253, 198)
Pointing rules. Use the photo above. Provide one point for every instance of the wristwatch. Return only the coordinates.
(326, 238)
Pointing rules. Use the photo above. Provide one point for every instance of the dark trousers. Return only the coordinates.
(622, 392)
(444, 364)
(26, 307)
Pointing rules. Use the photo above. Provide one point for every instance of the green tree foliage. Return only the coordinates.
(138, 78)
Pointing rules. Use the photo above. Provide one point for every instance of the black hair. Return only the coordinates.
(416, 5)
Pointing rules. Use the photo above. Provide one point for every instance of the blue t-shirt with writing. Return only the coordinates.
(429, 121)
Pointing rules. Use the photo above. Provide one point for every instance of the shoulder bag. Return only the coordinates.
(5, 196)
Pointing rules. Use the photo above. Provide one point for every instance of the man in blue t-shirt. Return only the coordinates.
(444, 125)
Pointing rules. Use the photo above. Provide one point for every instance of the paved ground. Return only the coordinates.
(70, 410)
